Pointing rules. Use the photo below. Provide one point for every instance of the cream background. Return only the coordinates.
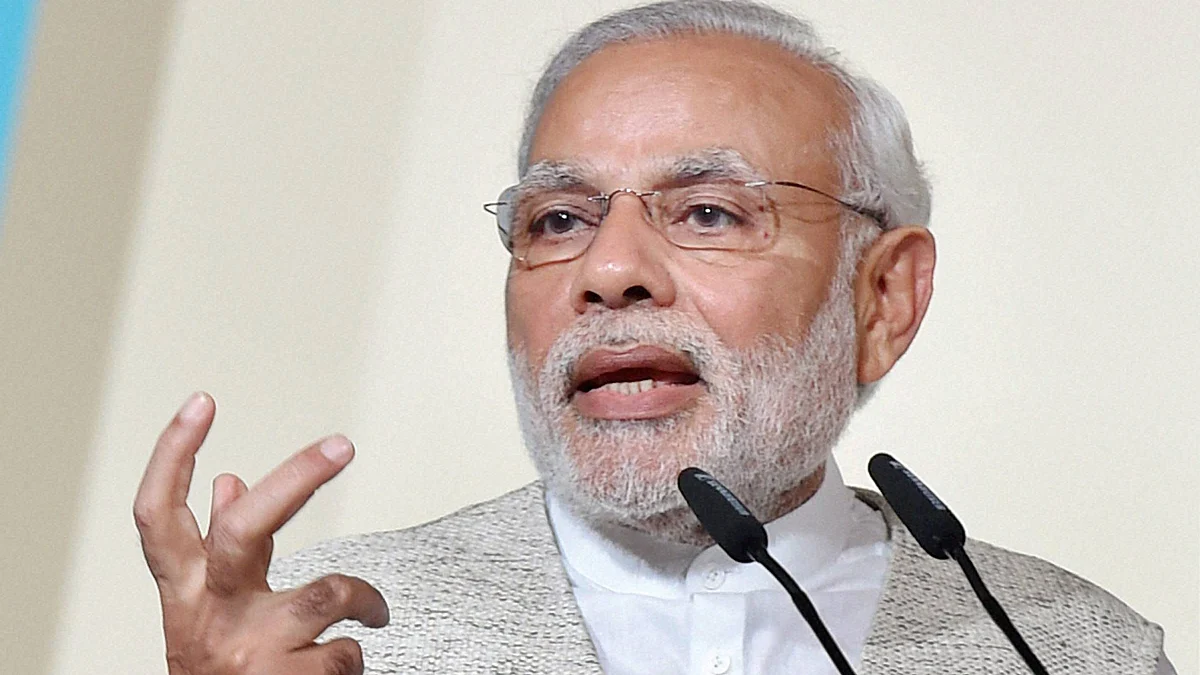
(279, 203)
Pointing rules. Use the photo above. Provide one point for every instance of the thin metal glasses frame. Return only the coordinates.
(875, 215)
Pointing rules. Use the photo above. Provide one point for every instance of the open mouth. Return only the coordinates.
(640, 382)
(636, 380)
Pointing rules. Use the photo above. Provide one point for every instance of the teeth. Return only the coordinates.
(629, 388)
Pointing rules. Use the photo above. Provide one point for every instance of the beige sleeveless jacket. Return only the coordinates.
(483, 591)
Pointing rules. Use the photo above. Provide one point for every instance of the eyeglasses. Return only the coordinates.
(539, 226)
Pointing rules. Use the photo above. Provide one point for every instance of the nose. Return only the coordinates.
(625, 263)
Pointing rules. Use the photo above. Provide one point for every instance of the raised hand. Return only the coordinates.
(219, 615)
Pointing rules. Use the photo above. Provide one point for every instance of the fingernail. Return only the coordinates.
(193, 408)
(337, 448)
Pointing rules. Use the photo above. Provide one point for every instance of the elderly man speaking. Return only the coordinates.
(718, 244)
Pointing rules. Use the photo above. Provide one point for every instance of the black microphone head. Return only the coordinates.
(724, 516)
(925, 516)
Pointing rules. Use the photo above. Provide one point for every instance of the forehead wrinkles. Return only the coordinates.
(703, 164)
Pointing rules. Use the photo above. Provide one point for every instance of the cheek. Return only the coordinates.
(753, 300)
(536, 311)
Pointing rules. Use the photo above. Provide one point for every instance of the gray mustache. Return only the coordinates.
(665, 328)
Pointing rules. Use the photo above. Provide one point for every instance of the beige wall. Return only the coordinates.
(279, 203)
(64, 249)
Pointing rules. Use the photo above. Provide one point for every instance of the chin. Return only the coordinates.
(624, 472)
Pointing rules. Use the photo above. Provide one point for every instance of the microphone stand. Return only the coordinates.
(807, 610)
(743, 538)
(942, 536)
(994, 610)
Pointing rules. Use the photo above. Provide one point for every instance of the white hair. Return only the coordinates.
(874, 153)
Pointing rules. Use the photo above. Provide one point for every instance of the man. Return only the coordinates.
(718, 245)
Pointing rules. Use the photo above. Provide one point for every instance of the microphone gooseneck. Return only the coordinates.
(942, 536)
(743, 538)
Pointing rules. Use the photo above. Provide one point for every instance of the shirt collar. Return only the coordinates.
(616, 559)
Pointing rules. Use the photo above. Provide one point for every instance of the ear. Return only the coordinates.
(891, 294)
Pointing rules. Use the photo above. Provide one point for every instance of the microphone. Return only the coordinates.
(743, 538)
(925, 516)
(942, 536)
(724, 516)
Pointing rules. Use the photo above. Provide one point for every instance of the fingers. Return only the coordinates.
(217, 601)
(243, 528)
(310, 609)
(168, 473)
(226, 489)
(168, 528)
(342, 656)
(277, 497)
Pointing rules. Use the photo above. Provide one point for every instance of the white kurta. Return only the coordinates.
(655, 608)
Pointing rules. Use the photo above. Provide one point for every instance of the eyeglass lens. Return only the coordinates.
(544, 226)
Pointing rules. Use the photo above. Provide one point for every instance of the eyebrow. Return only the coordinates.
(555, 175)
(708, 164)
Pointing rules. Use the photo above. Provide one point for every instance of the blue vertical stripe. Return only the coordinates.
(16, 19)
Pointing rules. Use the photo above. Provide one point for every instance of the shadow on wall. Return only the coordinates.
(81, 135)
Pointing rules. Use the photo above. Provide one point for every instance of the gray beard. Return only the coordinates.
(769, 418)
